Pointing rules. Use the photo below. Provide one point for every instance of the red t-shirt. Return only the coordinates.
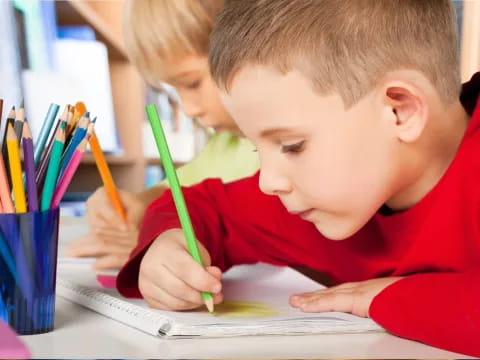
(435, 244)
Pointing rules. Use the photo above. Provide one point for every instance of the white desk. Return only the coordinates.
(81, 333)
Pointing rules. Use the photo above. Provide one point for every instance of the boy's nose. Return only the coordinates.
(273, 183)
(191, 110)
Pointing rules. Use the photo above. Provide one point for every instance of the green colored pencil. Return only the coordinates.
(177, 193)
(53, 167)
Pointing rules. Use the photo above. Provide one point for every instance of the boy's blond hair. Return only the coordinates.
(344, 46)
(160, 32)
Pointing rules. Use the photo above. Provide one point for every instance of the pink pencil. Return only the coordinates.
(68, 173)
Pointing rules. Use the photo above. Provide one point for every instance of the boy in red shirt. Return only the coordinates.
(354, 109)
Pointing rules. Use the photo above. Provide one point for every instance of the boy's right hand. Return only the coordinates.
(170, 279)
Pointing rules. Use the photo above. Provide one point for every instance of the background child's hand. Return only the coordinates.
(352, 298)
(102, 215)
(111, 248)
(170, 279)
(109, 239)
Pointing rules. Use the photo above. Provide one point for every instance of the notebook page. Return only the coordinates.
(259, 294)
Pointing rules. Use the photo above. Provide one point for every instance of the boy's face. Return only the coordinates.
(334, 167)
(200, 99)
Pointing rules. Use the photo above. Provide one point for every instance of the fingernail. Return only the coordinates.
(216, 288)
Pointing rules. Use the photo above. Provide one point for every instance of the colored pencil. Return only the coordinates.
(16, 170)
(29, 166)
(65, 179)
(45, 131)
(78, 135)
(42, 166)
(10, 120)
(79, 110)
(177, 193)
(18, 124)
(5, 197)
(106, 176)
(52, 170)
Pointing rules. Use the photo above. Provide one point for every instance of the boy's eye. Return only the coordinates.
(193, 85)
(293, 148)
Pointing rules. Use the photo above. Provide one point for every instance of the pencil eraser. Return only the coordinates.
(107, 281)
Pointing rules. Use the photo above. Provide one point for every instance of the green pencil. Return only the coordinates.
(177, 193)
(53, 167)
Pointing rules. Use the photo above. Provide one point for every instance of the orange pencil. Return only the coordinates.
(5, 197)
(106, 175)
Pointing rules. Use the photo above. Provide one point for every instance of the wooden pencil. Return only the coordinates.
(79, 110)
(10, 120)
(29, 166)
(45, 132)
(106, 176)
(67, 176)
(78, 135)
(16, 170)
(52, 170)
(42, 166)
(18, 124)
(5, 196)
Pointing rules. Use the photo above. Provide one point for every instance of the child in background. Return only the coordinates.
(370, 168)
(167, 41)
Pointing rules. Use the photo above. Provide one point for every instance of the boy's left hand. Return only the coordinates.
(354, 298)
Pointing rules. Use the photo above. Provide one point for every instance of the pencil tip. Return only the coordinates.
(209, 305)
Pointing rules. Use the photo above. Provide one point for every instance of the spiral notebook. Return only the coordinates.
(256, 303)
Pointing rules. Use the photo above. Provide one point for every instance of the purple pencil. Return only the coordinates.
(29, 165)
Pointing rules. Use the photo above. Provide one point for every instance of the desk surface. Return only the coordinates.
(82, 333)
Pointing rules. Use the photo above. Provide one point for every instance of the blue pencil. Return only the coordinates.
(45, 131)
(78, 136)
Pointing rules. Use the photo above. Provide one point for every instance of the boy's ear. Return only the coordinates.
(409, 108)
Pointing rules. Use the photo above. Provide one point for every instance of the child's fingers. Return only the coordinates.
(101, 211)
(96, 246)
(194, 274)
(113, 261)
(176, 287)
(168, 301)
(114, 235)
(215, 271)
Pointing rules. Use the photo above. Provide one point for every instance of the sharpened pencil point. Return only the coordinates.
(209, 305)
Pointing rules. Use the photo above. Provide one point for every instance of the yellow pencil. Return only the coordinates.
(16, 170)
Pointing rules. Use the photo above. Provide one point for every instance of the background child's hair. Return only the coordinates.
(158, 32)
(343, 47)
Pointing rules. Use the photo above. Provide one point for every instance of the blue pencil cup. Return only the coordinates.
(28, 267)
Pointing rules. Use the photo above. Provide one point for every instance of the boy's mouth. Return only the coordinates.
(303, 213)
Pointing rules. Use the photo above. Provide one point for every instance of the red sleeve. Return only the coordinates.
(223, 216)
(440, 309)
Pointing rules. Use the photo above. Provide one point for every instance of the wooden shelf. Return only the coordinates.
(105, 18)
(111, 159)
(157, 161)
(78, 12)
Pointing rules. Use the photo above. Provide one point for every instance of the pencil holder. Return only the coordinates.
(28, 266)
